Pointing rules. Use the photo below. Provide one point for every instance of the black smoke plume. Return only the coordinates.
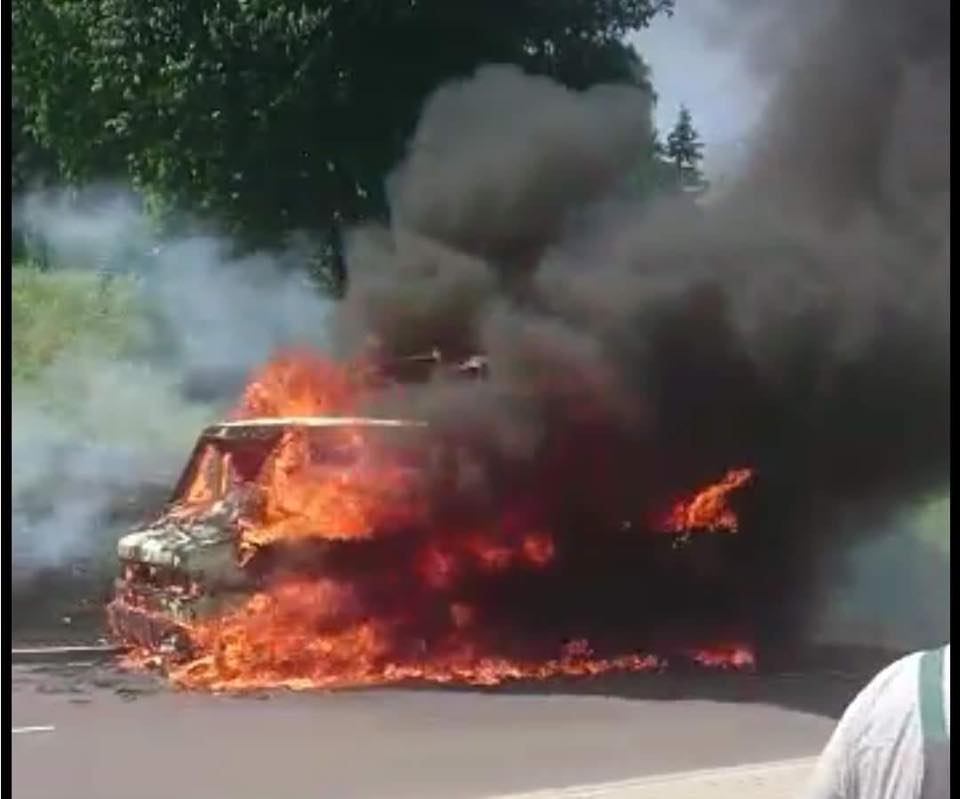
(798, 325)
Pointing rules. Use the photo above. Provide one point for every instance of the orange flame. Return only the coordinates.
(299, 492)
(708, 509)
(277, 640)
(201, 491)
(736, 656)
(441, 564)
(537, 548)
(300, 383)
(308, 633)
(354, 497)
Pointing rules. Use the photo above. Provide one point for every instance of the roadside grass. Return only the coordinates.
(57, 312)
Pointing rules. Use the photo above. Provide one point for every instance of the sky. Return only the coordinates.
(695, 65)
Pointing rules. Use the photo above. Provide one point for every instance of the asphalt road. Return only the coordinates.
(130, 738)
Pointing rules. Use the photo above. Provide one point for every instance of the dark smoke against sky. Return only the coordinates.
(799, 325)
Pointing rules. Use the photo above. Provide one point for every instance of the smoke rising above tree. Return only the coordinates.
(799, 324)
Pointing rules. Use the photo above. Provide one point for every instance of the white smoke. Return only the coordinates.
(94, 429)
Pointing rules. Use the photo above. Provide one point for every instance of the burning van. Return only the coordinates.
(211, 545)
(321, 548)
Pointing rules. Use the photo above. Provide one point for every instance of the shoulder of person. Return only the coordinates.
(892, 691)
(904, 668)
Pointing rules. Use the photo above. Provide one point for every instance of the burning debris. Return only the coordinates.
(709, 509)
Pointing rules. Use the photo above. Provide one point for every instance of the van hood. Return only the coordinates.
(171, 542)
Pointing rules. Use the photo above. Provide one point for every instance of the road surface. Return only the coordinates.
(101, 735)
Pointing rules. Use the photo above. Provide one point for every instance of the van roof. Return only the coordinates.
(314, 421)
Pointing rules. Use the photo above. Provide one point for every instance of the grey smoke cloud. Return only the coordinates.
(88, 437)
(94, 430)
(498, 161)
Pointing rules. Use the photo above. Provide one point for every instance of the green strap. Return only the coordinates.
(931, 697)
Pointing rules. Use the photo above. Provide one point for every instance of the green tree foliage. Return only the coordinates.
(275, 115)
(685, 150)
(654, 175)
(31, 164)
(673, 166)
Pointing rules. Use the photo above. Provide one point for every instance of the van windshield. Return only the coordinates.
(224, 468)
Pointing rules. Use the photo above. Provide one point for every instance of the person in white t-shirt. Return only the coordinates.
(893, 740)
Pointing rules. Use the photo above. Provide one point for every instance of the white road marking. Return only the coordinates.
(772, 780)
(24, 730)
